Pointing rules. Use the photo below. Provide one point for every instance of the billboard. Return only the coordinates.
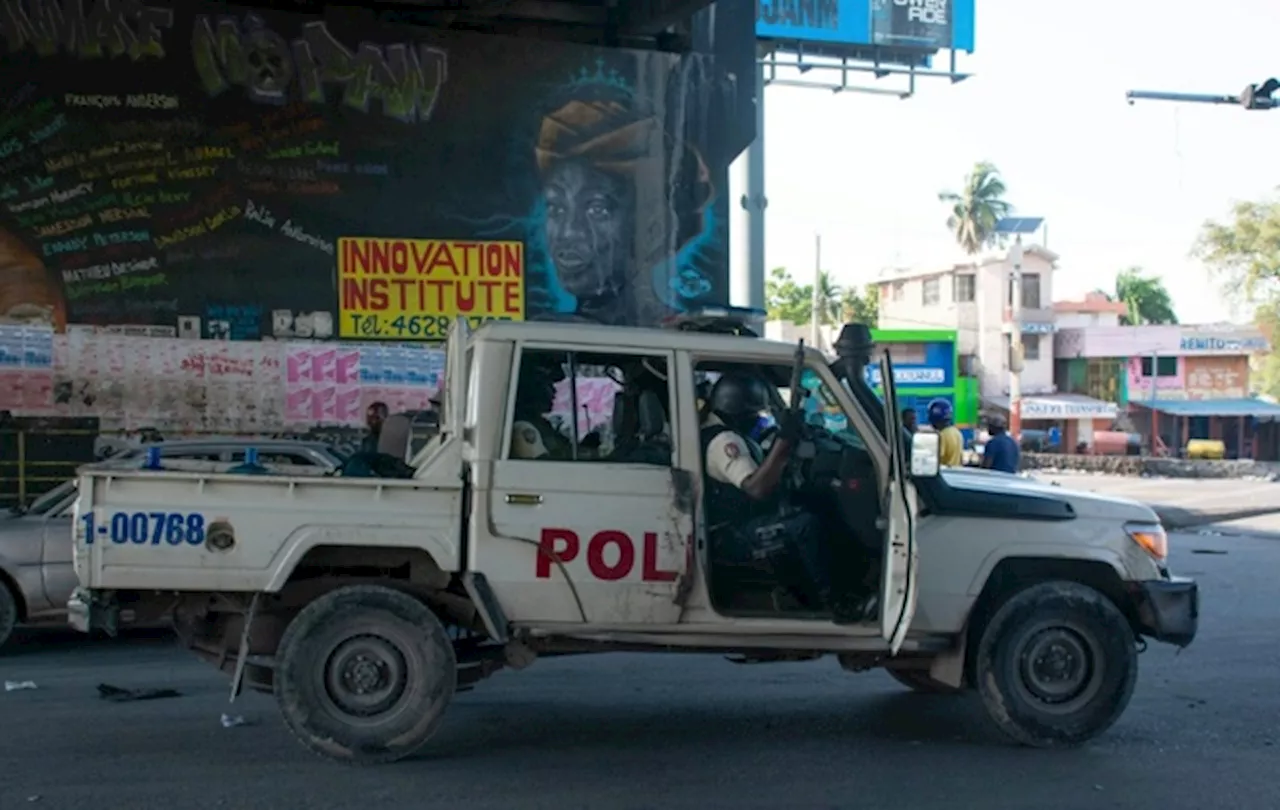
(201, 170)
(928, 25)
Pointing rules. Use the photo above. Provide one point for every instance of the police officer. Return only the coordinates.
(533, 436)
(745, 513)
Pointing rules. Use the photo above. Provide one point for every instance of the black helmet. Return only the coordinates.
(737, 398)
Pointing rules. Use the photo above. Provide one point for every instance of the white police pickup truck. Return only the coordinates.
(364, 604)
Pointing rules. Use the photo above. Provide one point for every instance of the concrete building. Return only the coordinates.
(1095, 310)
(975, 299)
(1175, 382)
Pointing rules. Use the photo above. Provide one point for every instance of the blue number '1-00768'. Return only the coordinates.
(146, 528)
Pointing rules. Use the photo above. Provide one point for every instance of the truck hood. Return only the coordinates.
(1084, 504)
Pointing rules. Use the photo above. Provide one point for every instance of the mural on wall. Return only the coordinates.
(1217, 377)
(200, 170)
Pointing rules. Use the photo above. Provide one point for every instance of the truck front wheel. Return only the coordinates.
(1056, 665)
(364, 674)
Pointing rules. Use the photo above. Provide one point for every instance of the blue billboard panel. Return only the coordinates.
(928, 25)
(935, 369)
(844, 22)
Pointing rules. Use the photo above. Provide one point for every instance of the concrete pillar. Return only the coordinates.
(746, 222)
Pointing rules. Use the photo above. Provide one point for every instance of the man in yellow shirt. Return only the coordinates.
(950, 441)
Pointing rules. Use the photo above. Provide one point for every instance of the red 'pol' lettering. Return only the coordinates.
(564, 545)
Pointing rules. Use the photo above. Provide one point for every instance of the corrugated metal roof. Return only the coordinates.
(1215, 407)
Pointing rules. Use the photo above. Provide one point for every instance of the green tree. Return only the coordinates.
(1244, 253)
(788, 301)
(976, 208)
(861, 307)
(784, 299)
(1145, 296)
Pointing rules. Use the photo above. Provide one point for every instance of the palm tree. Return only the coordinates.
(977, 208)
(830, 297)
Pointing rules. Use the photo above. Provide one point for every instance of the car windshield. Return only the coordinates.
(52, 498)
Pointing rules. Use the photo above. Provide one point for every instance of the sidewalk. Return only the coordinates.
(1177, 517)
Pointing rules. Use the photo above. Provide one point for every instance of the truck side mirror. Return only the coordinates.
(924, 455)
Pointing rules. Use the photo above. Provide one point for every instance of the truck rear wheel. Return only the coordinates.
(364, 674)
(1056, 665)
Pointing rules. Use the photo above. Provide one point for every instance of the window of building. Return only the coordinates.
(1102, 378)
(1030, 291)
(931, 291)
(587, 406)
(1164, 367)
(1030, 347)
(964, 288)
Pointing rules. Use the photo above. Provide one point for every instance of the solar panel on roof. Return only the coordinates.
(1019, 225)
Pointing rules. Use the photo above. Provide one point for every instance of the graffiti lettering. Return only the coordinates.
(12, 146)
(26, 118)
(52, 197)
(144, 179)
(406, 80)
(113, 28)
(121, 238)
(308, 149)
(47, 131)
(296, 233)
(259, 214)
(64, 227)
(99, 272)
(151, 101)
(99, 101)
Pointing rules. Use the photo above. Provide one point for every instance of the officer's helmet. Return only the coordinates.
(738, 400)
(940, 413)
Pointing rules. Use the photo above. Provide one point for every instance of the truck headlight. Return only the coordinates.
(1152, 538)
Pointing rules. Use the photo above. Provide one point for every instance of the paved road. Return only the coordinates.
(1212, 495)
(626, 731)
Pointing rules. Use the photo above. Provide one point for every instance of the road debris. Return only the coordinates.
(118, 695)
(234, 720)
(15, 686)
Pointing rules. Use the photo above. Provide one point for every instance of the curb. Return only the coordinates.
(1175, 517)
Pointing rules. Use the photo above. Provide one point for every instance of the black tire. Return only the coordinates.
(918, 680)
(1034, 650)
(8, 613)
(391, 642)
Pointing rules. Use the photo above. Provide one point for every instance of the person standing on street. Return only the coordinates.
(373, 419)
(909, 419)
(1002, 453)
(950, 442)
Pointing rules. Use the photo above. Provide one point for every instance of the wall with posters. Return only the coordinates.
(203, 386)
(196, 169)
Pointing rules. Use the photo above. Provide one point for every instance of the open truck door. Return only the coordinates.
(454, 397)
(898, 579)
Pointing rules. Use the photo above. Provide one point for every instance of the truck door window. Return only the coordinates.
(586, 406)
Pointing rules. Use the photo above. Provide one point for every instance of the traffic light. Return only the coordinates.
(1258, 96)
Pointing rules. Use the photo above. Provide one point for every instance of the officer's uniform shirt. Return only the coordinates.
(728, 456)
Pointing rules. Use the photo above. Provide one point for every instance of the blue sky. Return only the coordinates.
(1118, 185)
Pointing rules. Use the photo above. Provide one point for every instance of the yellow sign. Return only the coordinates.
(413, 289)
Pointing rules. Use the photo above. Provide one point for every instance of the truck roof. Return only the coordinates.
(620, 337)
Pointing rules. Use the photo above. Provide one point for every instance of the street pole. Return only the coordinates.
(1015, 342)
(815, 331)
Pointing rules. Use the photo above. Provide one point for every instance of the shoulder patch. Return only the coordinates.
(529, 435)
(732, 450)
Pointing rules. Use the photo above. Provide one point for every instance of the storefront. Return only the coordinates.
(1074, 417)
(925, 368)
(1247, 427)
